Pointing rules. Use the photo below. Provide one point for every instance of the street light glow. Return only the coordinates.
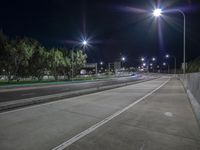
(123, 58)
(167, 56)
(144, 64)
(84, 42)
(142, 59)
(157, 12)
(153, 59)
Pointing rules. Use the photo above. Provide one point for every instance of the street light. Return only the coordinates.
(142, 59)
(83, 43)
(165, 64)
(158, 12)
(123, 59)
(168, 56)
(153, 59)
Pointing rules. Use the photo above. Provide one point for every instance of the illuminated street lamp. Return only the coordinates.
(165, 64)
(153, 59)
(168, 56)
(158, 12)
(123, 59)
(142, 59)
(83, 43)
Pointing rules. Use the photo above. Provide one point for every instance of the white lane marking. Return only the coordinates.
(28, 94)
(99, 124)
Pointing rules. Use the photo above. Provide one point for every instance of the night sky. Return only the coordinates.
(114, 28)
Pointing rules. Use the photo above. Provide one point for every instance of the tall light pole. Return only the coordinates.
(153, 59)
(123, 59)
(84, 43)
(166, 64)
(168, 56)
(158, 12)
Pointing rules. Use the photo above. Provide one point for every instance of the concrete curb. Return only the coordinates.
(48, 98)
(195, 106)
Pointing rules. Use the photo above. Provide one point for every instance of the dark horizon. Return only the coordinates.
(115, 28)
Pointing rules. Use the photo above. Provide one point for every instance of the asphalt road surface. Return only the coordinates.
(153, 115)
(10, 94)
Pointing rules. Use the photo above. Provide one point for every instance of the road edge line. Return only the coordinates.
(104, 121)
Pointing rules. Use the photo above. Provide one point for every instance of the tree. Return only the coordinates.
(79, 60)
(194, 66)
(67, 67)
(26, 57)
(25, 48)
(7, 56)
(56, 62)
(3, 41)
(39, 62)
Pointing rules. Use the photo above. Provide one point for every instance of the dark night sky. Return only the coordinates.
(113, 29)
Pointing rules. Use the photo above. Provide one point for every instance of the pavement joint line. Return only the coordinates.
(164, 133)
(101, 123)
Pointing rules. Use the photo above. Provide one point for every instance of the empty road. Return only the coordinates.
(153, 115)
(18, 93)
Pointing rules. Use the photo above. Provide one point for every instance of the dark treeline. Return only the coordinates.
(26, 57)
(194, 66)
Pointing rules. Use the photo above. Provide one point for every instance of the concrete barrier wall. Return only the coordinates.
(191, 82)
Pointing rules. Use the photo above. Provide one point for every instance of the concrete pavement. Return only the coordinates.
(163, 120)
(25, 96)
(11, 94)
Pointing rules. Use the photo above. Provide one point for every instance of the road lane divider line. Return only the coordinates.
(101, 123)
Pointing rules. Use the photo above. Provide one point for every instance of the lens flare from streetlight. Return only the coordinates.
(123, 58)
(84, 42)
(157, 12)
(167, 56)
(142, 59)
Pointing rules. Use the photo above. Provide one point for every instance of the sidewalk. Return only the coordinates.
(163, 121)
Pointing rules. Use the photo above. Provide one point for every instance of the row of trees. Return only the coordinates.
(26, 57)
(194, 66)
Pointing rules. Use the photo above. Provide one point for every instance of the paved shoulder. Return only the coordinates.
(164, 121)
